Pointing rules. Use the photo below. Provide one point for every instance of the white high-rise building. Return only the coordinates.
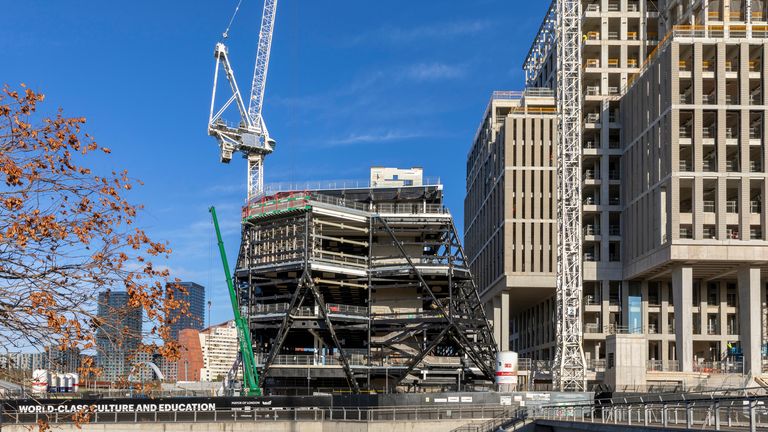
(219, 347)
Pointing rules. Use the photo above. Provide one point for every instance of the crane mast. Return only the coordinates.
(560, 36)
(569, 373)
(250, 136)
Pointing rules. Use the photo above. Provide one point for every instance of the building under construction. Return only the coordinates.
(360, 289)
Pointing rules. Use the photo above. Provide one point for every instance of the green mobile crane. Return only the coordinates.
(250, 374)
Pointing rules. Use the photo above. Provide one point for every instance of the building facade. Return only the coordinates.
(673, 181)
(195, 316)
(219, 347)
(510, 211)
(119, 335)
(190, 362)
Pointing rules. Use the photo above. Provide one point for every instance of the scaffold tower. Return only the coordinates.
(560, 36)
(569, 355)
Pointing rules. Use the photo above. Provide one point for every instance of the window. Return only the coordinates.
(712, 294)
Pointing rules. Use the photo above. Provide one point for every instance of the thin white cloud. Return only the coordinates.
(435, 31)
(364, 138)
(410, 35)
(433, 71)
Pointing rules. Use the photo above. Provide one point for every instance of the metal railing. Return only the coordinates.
(739, 413)
(448, 412)
(272, 188)
(508, 418)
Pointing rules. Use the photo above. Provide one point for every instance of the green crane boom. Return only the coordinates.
(250, 374)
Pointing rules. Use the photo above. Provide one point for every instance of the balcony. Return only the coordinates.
(731, 206)
(685, 166)
(592, 328)
(686, 233)
(731, 165)
(709, 206)
(593, 118)
(591, 175)
(613, 62)
(593, 91)
(614, 230)
(614, 201)
(593, 7)
(614, 175)
(685, 132)
(755, 133)
(590, 300)
(709, 132)
(591, 201)
(613, 35)
(589, 145)
(589, 257)
(755, 206)
(755, 167)
(592, 230)
(593, 63)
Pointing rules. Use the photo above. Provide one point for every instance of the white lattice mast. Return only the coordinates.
(569, 372)
(250, 136)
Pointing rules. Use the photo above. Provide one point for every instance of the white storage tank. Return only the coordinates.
(506, 370)
(54, 384)
(66, 383)
(75, 381)
(40, 378)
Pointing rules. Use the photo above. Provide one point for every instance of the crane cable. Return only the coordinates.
(231, 20)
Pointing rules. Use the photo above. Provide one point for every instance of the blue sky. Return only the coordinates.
(351, 84)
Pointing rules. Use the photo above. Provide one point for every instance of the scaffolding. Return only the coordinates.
(363, 289)
(557, 48)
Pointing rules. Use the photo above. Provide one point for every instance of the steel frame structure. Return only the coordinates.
(570, 370)
(560, 36)
(251, 136)
(399, 271)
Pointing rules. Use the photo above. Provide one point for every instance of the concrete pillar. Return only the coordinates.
(497, 320)
(504, 341)
(682, 286)
(749, 318)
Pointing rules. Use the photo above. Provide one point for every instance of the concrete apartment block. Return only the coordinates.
(674, 152)
(510, 212)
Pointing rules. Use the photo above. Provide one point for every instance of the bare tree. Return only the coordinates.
(68, 233)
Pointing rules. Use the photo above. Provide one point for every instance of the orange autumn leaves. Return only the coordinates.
(68, 232)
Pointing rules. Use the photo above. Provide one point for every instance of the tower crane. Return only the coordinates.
(250, 136)
(560, 35)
